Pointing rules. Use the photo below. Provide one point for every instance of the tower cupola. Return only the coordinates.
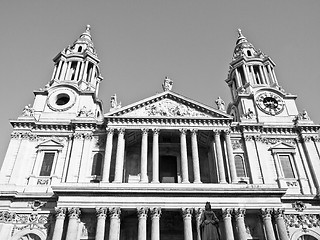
(77, 65)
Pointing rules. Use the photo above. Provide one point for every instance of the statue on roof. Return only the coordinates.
(220, 104)
(114, 103)
(28, 111)
(209, 224)
(167, 84)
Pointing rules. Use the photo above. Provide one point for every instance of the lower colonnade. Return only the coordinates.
(232, 224)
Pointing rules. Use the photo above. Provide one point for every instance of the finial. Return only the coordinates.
(167, 84)
(240, 33)
(88, 27)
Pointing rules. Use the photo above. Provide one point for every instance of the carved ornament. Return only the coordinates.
(187, 212)
(155, 212)
(84, 112)
(236, 144)
(239, 212)
(142, 212)
(227, 212)
(60, 212)
(304, 221)
(74, 212)
(102, 212)
(299, 206)
(114, 212)
(266, 212)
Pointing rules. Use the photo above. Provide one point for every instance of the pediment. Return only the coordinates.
(170, 105)
(50, 144)
(282, 146)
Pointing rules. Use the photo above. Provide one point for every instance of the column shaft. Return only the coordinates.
(184, 156)
(199, 213)
(240, 225)
(222, 174)
(155, 156)
(144, 156)
(58, 227)
(101, 222)
(119, 157)
(72, 231)
(187, 225)
(114, 231)
(142, 224)
(281, 226)
(195, 157)
(232, 165)
(228, 229)
(155, 223)
(107, 156)
(267, 223)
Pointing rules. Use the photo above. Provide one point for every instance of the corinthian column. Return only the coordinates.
(240, 225)
(144, 156)
(281, 226)
(187, 226)
(114, 231)
(195, 156)
(142, 225)
(222, 174)
(228, 229)
(101, 222)
(267, 223)
(60, 214)
(107, 156)
(184, 156)
(232, 164)
(155, 156)
(155, 223)
(72, 231)
(199, 213)
(119, 157)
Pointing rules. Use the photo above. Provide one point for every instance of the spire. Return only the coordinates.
(244, 48)
(241, 38)
(84, 42)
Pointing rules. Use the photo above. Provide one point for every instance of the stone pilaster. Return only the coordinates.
(60, 214)
(107, 156)
(142, 223)
(155, 223)
(240, 225)
(187, 224)
(101, 223)
(280, 223)
(144, 156)
(184, 156)
(195, 156)
(227, 219)
(72, 231)
(114, 232)
(267, 223)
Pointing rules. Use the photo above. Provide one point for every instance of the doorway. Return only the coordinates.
(168, 169)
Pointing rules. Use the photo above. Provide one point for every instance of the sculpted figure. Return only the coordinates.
(167, 84)
(209, 224)
(28, 111)
(220, 104)
(114, 103)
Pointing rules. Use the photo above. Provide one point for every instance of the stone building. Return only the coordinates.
(146, 170)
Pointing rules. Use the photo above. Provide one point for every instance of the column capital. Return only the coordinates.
(155, 131)
(114, 212)
(227, 132)
(110, 130)
(155, 212)
(239, 212)
(226, 213)
(183, 131)
(145, 130)
(194, 131)
(101, 212)
(217, 131)
(142, 212)
(74, 212)
(198, 212)
(278, 213)
(187, 212)
(60, 212)
(266, 212)
(121, 130)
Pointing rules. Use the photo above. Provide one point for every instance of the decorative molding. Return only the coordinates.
(43, 181)
(236, 144)
(299, 206)
(36, 204)
(78, 136)
(7, 217)
(88, 136)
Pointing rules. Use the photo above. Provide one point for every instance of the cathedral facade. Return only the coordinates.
(73, 171)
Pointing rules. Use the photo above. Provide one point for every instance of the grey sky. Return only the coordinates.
(141, 42)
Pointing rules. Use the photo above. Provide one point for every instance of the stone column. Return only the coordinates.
(184, 155)
(187, 225)
(120, 157)
(227, 219)
(142, 224)
(60, 214)
(267, 223)
(101, 223)
(144, 156)
(222, 174)
(155, 223)
(195, 156)
(199, 213)
(232, 165)
(155, 156)
(240, 225)
(72, 231)
(107, 155)
(281, 226)
(114, 231)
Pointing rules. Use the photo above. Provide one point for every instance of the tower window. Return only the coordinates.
(62, 99)
(249, 53)
(79, 49)
(96, 164)
(73, 70)
(286, 165)
(47, 164)
(240, 167)
(242, 76)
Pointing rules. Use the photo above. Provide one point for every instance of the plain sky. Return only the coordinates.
(139, 42)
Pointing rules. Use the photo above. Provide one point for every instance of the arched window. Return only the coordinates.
(249, 53)
(306, 237)
(30, 236)
(96, 164)
(79, 49)
(240, 168)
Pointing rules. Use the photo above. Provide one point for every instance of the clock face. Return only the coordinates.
(270, 103)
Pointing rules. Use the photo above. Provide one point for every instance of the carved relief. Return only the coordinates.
(299, 206)
(6, 216)
(304, 221)
(84, 112)
(236, 144)
(28, 111)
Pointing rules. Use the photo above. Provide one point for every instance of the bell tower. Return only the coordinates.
(73, 89)
(256, 93)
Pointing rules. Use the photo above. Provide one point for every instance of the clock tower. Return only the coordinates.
(256, 93)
